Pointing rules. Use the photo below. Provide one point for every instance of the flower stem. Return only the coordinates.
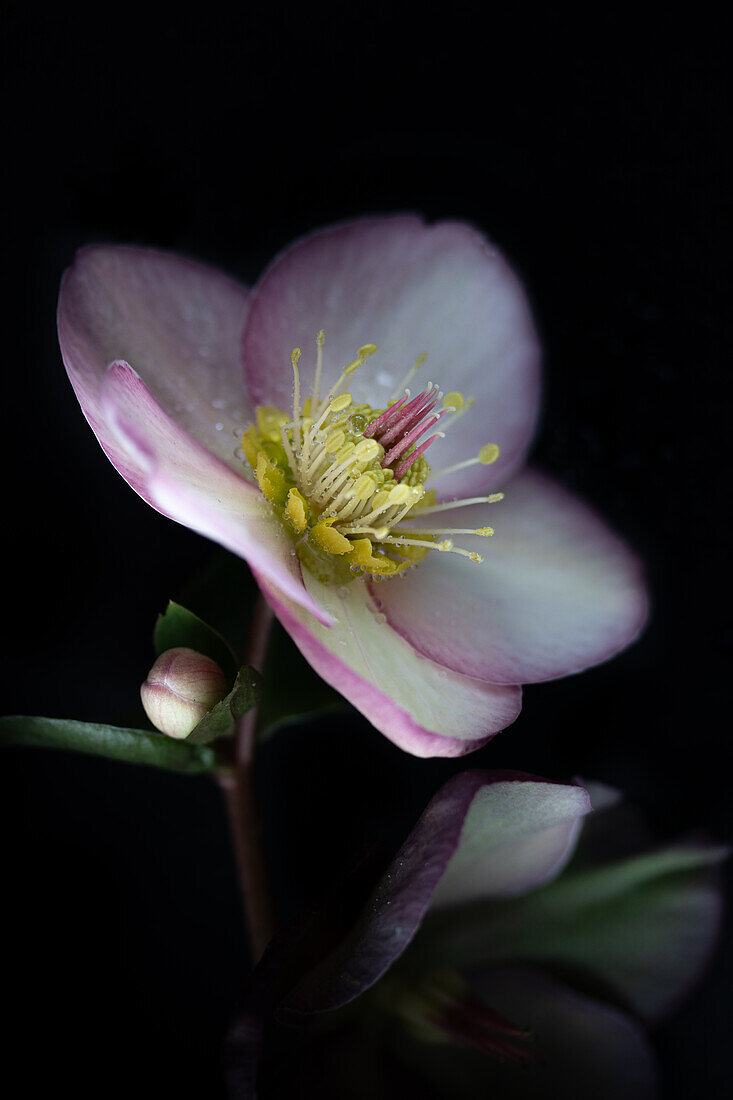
(238, 785)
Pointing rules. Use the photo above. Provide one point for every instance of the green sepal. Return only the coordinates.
(222, 719)
(112, 742)
(177, 626)
(641, 926)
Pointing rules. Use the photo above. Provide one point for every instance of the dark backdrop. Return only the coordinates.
(592, 153)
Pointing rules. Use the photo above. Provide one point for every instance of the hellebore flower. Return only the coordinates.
(346, 472)
(500, 938)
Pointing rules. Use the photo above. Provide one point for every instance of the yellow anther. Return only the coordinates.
(269, 421)
(341, 402)
(315, 461)
(295, 510)
(249, 445)
(346, 450)
(334, 442)
(363, 488)
(326, 538)
(366, 450)
(399, 494)
(271, 480)
(380, 498)
(488, 454)
(363, 557)
(493, 498)
(362, 552)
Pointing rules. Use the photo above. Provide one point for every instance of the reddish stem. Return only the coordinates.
(238, 785)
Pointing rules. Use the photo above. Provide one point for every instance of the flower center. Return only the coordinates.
(443, 1008)
(342, 476)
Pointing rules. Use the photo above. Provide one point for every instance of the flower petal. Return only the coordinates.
(515, 838)
(510, 807)
(423, 708)
(643, 926)
(178, 322)
(409, 288)
(583, 1048)
(184, 481)
(555, 593)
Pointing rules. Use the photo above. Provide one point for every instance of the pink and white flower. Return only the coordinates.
(326, 492)
(513, 928)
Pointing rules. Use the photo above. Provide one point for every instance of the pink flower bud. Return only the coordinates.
(182, 686)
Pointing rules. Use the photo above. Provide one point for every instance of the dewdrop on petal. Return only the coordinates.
(181, 687)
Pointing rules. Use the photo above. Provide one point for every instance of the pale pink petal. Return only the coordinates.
(423, 708)
(582, 1047)
(517, 836)
(475, 813)
(184, 481)
(178, 322)
(556, 592)
(409, 288)
(167, 425)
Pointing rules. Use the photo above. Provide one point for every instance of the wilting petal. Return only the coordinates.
(511, 807)
(555, 593)
(184, 481)
(178, 322)
(423, 708)
(409, 288)
(643, 927)
(583, 1048)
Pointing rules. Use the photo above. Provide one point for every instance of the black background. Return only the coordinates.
(592, 153)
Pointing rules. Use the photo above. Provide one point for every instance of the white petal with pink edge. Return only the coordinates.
(178, 322)
(516, 837)
(424, 708)
(409, 288)
(185, 482)
(556, 592)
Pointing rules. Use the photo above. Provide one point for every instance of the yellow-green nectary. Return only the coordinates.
(181, 687)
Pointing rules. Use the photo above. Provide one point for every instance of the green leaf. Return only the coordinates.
(179, 627)
(129, 745)
(221, 720)
(291, 690)
(642, 925)
(224, 593)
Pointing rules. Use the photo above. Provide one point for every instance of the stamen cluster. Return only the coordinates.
(442, 1007)
(343, 475)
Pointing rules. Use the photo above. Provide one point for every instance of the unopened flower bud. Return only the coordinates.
(182, 686)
